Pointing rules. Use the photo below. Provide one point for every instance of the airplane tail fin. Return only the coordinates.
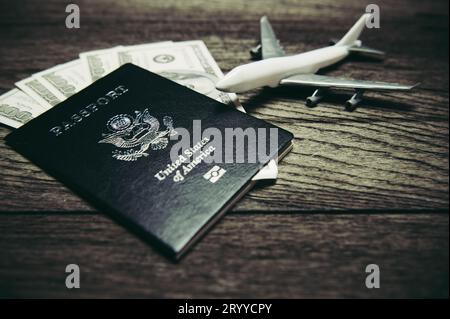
(351, 37)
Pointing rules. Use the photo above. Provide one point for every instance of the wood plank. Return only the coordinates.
(392, 153)
(280, 256)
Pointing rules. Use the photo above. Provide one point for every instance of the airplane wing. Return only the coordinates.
(323, 81)
(271, 47)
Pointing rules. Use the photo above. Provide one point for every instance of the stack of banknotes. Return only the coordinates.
(188, 63)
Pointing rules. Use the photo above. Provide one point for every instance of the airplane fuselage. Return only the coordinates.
(271, 71)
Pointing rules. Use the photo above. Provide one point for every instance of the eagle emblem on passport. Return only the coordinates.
(134, 135)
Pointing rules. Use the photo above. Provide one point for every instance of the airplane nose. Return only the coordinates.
(224, 85)
(231, 81)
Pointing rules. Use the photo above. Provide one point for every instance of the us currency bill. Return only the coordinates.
(99, 63)
(64, 80)
(39, 92)
(17, 108)
(188, 63)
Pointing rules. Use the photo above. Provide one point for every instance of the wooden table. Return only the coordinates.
(358, 188)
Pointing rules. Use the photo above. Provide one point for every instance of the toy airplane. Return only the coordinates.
(299, 70)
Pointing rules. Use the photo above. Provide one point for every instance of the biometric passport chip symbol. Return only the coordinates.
(133, 136)
(214, 174)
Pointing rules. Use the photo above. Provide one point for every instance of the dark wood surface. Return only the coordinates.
(369, 186)
(246, 255)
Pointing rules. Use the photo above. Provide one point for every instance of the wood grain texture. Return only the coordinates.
(249, 256)
(384, 168)
(391, 153)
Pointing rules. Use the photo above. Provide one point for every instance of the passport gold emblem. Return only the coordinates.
(133, 136)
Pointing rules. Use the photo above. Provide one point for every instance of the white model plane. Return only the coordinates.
(276, 69)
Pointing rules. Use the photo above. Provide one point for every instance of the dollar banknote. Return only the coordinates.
(17, 108)
(64, 80)
(188, 63)
(39, 92)
(99, 63)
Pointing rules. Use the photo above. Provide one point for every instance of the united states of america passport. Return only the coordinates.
(156, 155)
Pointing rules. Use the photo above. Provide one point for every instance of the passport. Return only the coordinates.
(118, 144)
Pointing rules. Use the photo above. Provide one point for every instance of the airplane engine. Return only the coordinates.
(314, 99)
(256, 52)
(353, 102)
